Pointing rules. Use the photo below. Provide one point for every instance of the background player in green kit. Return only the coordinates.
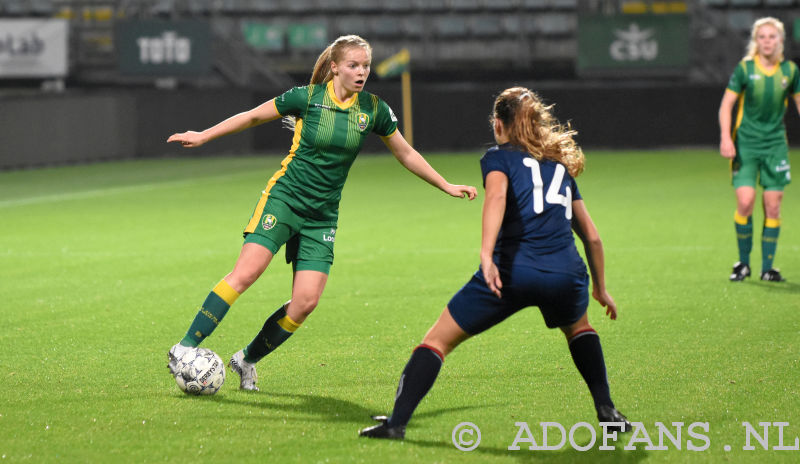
(761, 84)
(299, 207)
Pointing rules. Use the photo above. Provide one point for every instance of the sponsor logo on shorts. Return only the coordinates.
(329, 237)
(269, 222)
(363, 121)
(784, 166)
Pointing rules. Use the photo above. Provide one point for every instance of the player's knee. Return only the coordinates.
(576, 328)
(303, 305)
(242, 279)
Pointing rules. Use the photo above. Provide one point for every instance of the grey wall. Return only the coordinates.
(82, 127)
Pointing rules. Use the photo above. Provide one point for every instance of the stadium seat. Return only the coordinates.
(396, 6)
(564, 4)
(741, 20)
(42, 7)
(745, 3)
(779, 3)
(501, 5)
(485, 26)
(536, 4)
(351, 24)
(413, 26)
(556, 24)
(430, 6)
(512, 24)
(299, 6)
(15, 7)
(715, 3)
(465, 5)
(450, 26)
(385, 26)
(360, 6)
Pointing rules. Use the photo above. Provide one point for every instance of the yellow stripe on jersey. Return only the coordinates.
(739, 113)
(226, 292)
(739, 219)
(772, 222)
(288, 324)
(251, 226)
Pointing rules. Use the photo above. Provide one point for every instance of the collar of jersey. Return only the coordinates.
(343, 105)
(763, 70)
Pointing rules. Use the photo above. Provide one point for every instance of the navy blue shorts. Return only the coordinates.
(562, 298)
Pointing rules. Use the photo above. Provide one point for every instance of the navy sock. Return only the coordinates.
(588, 357)
(276, 330)
(415, 382)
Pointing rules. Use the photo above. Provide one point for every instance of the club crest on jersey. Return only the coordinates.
(269, 222)
(784, 82)
(363, 121)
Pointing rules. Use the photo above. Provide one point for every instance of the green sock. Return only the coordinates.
(277, 329)
(744, 236)
(210, 314)
(769, 242)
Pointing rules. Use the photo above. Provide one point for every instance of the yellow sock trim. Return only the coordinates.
(741, 220)
(772, 222)
(288, 324)
(226, 292)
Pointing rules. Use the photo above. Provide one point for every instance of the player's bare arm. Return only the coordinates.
(414, 162)
(236, 123)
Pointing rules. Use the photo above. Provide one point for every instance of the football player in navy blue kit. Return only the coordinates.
(528, 258)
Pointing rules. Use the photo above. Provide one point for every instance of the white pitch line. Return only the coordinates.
(110, 191)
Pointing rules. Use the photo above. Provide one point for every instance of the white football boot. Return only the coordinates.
(174, 356)
(246, 371)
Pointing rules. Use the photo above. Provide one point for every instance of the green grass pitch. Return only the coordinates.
(102, 268)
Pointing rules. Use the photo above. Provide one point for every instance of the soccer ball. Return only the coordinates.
(200, 372)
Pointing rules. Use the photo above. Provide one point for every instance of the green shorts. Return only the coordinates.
(769, 166)
(309, 242)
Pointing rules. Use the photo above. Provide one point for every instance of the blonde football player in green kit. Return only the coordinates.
(762, 84)
(299, 207)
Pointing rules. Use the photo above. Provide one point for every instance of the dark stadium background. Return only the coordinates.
(104, 105)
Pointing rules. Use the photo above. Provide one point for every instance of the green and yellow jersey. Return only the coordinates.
(328, 135)
(763, 97)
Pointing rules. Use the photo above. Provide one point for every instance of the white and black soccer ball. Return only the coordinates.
(200, 372)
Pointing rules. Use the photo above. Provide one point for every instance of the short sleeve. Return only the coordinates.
(293, 102)
(385, 120)
(795, 80)
(573, 186)
(738, 80)
(493, 161)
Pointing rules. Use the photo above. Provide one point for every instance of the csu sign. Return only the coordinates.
(633, 45)
(163, 48)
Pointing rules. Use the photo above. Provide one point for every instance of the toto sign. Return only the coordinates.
(163, 48)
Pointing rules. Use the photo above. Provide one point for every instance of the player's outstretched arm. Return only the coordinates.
(414, 162)
(236, 123)
(585, 229)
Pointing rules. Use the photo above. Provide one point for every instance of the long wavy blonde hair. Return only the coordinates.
(322, 68)
(752, 46)
(532, 127)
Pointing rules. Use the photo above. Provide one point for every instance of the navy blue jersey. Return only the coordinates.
(536, 230)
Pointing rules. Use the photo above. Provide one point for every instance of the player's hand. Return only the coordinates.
(492, 276)
(461, 191)
(188, 139)
(727, 149)
(605, 301)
